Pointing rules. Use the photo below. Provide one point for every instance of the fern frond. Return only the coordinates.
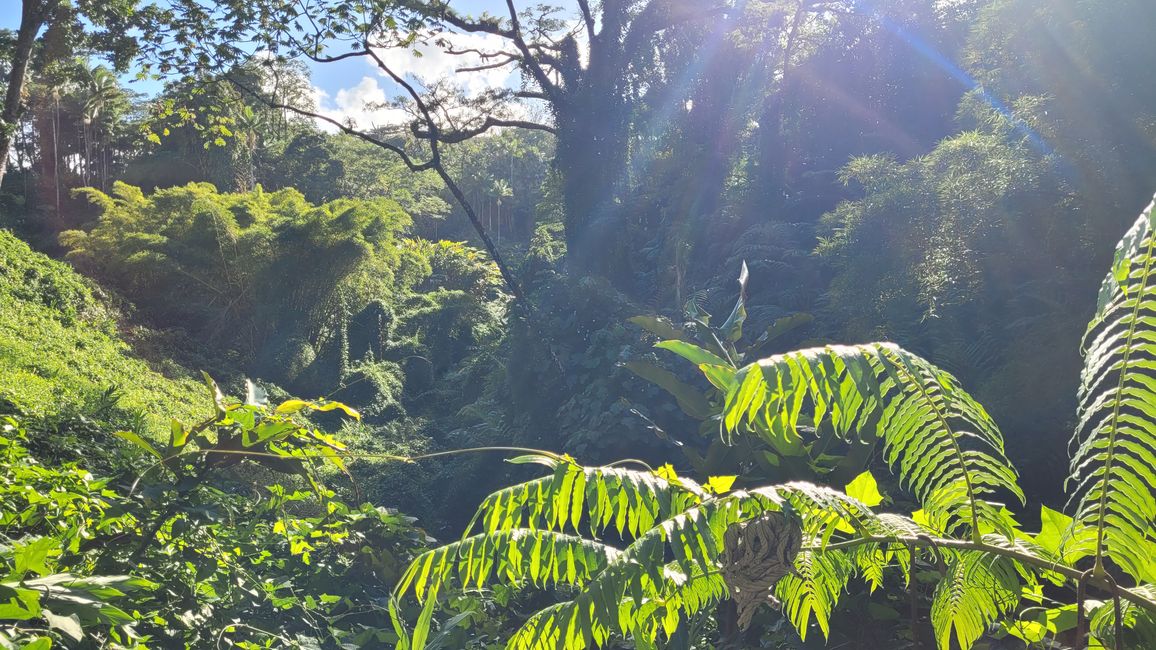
(638, 590)
(822, 576)
(628, 501)
(941, 442)
(1138, 626)
(978, 589)
(513, 557)
(1114, 458)
(694, 538)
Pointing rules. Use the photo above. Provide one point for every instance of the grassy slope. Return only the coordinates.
(59, 350)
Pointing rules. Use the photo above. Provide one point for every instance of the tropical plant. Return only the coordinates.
(685, 545)
(224, 534)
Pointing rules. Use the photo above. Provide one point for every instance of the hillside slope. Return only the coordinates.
(60, 351)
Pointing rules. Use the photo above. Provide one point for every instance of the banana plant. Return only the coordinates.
(725, 350)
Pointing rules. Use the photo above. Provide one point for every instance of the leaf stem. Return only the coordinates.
(918, 383)
(1101, 510)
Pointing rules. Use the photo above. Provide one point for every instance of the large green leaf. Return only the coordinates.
(594, 498)
(1114, 459)
(978, 589)
(941, 442)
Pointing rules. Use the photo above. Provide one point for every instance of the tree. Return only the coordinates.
(590, 98)
(111, 21)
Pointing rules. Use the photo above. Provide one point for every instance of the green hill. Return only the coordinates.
(61, 352)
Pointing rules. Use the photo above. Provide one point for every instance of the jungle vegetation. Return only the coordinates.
(463, 362)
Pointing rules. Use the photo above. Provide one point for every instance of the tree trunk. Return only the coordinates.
(32, 19)
(591, 156)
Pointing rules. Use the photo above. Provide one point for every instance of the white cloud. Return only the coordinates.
(430, 61)
(365, 105)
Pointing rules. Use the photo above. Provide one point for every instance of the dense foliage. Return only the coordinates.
(185, 544)
(941, 444)
(481, 258)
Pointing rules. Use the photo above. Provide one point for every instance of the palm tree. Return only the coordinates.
(501, 189)
(104, 96)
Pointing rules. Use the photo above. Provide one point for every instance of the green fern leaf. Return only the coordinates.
(628, 501)
(514, 557)
(979, 588)
(1138, 626)
(942, 443)
(637, 592)
(822, 576)
(1114, 462)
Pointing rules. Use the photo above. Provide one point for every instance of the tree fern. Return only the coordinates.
(942, 443)
(1114, 458)
(634, 591)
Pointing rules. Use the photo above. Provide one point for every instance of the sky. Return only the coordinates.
(348, 89)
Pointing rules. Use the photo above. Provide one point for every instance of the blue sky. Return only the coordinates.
(345, 88)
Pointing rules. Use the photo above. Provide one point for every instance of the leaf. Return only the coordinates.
(941, 443)
(178, 434)
(1061, 537)
(294, 405)
(1113, 467)
(658, 326)
(291, 406)
(693, 353)
(690, 399)
(536, 459)
(864, 488)
(215, 394)
(17, 603)
(732, 328)
(139, 442)
(67, 625)
(814, 591)
(32, 556)
(783, 326)
(978, 589)
(720, 484)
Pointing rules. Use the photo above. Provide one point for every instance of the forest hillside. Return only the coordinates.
(331, 324)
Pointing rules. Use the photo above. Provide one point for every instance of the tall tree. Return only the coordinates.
(587, 62)
(92, 25)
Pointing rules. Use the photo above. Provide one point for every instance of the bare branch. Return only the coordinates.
(461, 135)
(487, 66)
(409, 162)
(449, 49)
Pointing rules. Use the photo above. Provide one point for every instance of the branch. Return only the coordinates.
(449, 49)
(528, 59)
(435, 163)
(587, 18)
(486, 66)
(922, 541)
(401, 153)
(462, 135)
